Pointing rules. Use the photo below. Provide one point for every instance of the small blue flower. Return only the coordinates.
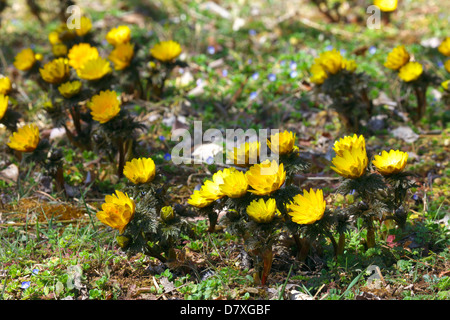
(329, 47)
(415, 197)
(249, 61)
(162, 138)
(35, 271)
(353, 192)
(199, 81)
(293, 74)
(255, 76)
(372, 50)
(252, 32)
(293, 65)
(224, 72)
(343, 51)
(272, 77)
(253, 95)
(440, 64)
(167, 157)
(210, 160)
(282, 63)
(25, 284)
(211, 50)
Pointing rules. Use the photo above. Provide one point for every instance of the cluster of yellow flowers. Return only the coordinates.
(400, 60)
(118, 210)
(85, 58)
(351, 159)
(329, 63)
(261, 179)
(26, 138)
(72, 50)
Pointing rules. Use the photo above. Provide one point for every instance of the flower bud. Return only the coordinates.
(167, 213)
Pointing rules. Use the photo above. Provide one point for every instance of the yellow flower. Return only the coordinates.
(94, 69)
(444, 47)
(447, 65)
(349, 143)
(85, 26)
(55, 71)
(349, 65)
(246, 154)
(351, 164)
(307, 208)
(121, 55)
(211, 188)
(445, 84)
(25, 139)
(141, 170)
(397, 58)
(282, 142)
(59, 50)
(70, 89)
(166, 51)
(26, 59)
(5, 85)
(263, 211)
(318, 74)
(331, 61)
(121, 34)
(390, 163)
(53, 38)
(80, 53)
(234, 185)
(3, 105)
(117, 211)
(104, 106)
(265, 177)
(197, 200)
(410, 71)
(386, 5)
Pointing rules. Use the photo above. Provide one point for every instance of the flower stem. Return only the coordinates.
(370, 238)
(304, 249)
(267, 257)
(212, 216)
(121, 148)
(421, 102)
(341, 244)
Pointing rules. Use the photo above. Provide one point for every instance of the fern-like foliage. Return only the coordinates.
(148, 231)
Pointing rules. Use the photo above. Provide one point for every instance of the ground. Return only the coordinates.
(247, 67)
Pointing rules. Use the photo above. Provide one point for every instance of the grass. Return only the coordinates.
(255, 74)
